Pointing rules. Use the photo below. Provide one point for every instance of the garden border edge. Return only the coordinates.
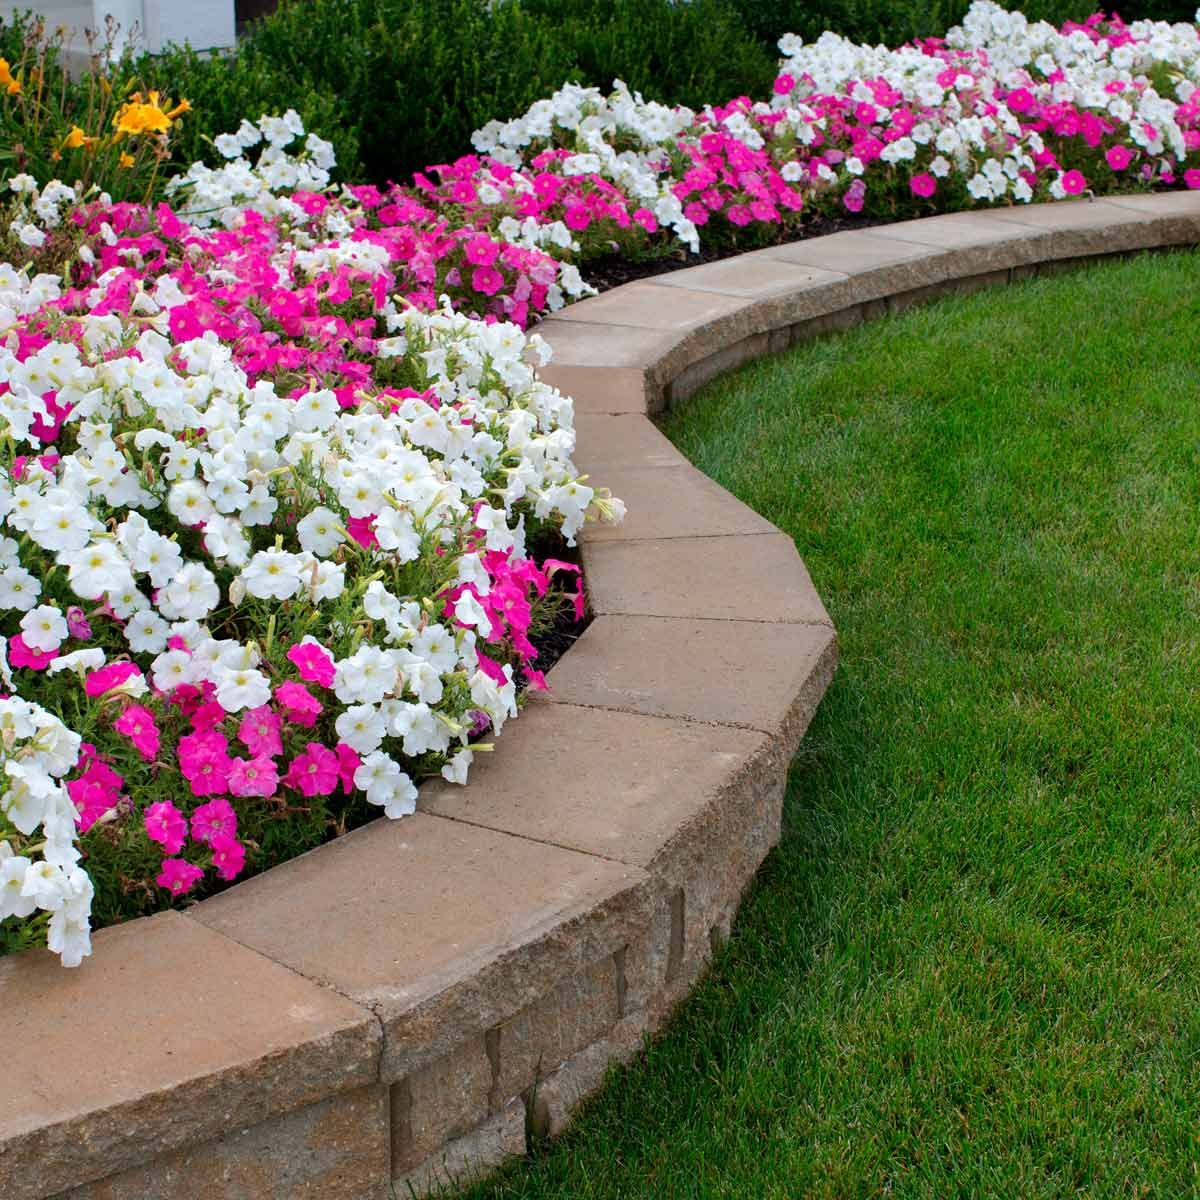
(463, 978)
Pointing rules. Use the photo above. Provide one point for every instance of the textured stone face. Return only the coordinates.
(334, 1150)
(468, 1158)
(440, 1103)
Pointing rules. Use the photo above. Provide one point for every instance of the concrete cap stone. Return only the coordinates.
(753, 276)
(673, 502)
(745, 673)
(598, 389)
(440, 928)
(170, 1034)
(645, 305)
(759, 578)
(621, 442)
(636, 781)
(587, 344)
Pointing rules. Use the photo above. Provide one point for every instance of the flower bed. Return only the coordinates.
(275, 451)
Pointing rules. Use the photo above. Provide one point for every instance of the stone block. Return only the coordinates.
(626, 806)
(674, 502)
(646, 305)
(743, 673)
(169, 1035)
(439, 1103)
(469, 1158)
(576, 1013)
(443, 929)
(761, 578)
(559, 1095)
(695, 375)
(599, 389)
(623, 442)
(334, 1150)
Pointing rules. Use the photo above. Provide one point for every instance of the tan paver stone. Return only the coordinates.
(1095, 227)
(200, 1036)
(587, 344)
(674, 502)
(442, 1102)
(757, 675)
(645, 305)
(442, 929)
(636, 781)
(599, 389)
(955, 231)
(759, 578)
(334, 1150)
(855, 253)
(1164, 204)
(607, 443)
(755, 276)
(468, 1158)
(579, 1011)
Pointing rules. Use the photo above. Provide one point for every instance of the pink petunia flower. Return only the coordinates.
(138, 725)
(313, 661)
(923, 185)
(259, 731)
(108, 677)
(299, 705)
(349, 760)
(229, 856)
(1191, 177)
(1118, 157)
(166, 825)
(314, 772)
(1073, 182)
(178, 876)
(214, 818)
(21, 655)
(254, 777)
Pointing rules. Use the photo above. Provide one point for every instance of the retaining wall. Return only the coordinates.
(399, 1007)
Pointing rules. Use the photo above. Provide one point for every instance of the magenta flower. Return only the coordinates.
(314, 772)
(204, 761)
(109, 677)
(487, 280)
(138, 725)
(314, 663)
(1073, 183)
(349, 760)
(299, 705)
(229, 856)
(214, 818)
(166, 825)
(178, 876)
(254, 777)
(259, 732)
(1192, 177)
(21, 655)
(1118, 157)
(923, 185)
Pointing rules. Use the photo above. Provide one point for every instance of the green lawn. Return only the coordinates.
(972, 967)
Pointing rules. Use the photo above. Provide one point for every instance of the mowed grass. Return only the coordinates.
(972, 967)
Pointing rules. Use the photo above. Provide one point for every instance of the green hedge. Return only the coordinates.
(400, 84)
